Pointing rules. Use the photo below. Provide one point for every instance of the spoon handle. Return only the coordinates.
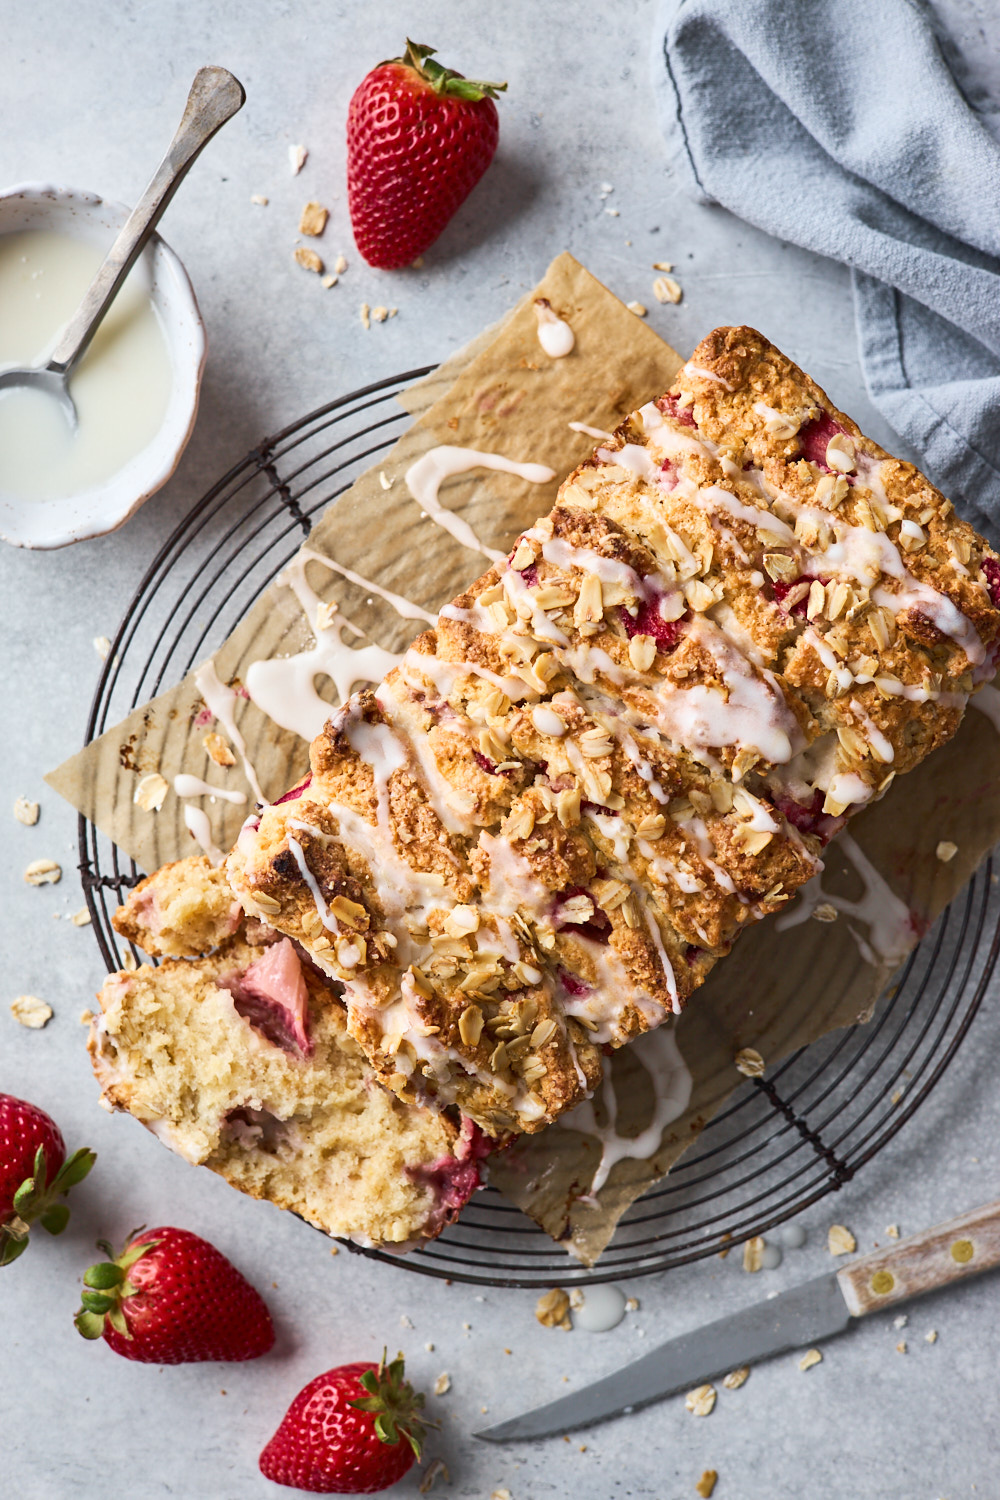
(214, 98)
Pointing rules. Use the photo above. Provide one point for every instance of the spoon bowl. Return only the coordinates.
(52, 382)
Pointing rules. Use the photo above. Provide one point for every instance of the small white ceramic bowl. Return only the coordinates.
(103, 507)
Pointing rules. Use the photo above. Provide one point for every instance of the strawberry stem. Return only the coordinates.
(393, 1403)
(36, 1201)
(106, 1285)
(445, 80)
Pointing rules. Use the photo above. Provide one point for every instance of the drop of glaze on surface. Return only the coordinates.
(603, 1308)
(792, 1236)
(554, 334)
(425, 477)
(770, 1257)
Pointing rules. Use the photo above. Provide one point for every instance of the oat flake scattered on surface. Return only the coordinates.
(552, 1309)
(150, 792)
(666, 289)
(631, 1304)
(443, 1384)
(218, 750)
(736, 1378)
(102, 646)
(43, 872)
(749, 1062)
(810, 1358)
(892, 1230)
(307, 259)
(340, 264)
(500, 1495)
(931, 1338)
(81, 918)
(840, 1241)
(297, 159)
(825, 912)
(329, 281)
(753, 1253)
(706, 1484)
(313, 219)
(259, 200)
(26, 812)
(366, 321)
(901, 1347)
(701, 1400)
(436, 1469)
(946, 851)
(637, 308)
(30, 1011)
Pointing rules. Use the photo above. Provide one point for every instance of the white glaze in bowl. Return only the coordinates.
(104, 507)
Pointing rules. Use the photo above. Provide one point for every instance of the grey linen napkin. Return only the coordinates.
(837, 125)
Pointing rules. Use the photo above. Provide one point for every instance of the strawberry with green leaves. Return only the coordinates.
(353, 1431)
(34, 1174)
(419, 138)
(171, 1298)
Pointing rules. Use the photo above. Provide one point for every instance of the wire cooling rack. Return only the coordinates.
(783, 1141)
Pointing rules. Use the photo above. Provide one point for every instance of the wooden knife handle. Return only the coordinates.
(962, 1247)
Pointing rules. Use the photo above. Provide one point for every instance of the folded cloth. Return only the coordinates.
(837, 125)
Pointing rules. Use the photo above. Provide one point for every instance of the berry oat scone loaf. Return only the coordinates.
(240, 1060)
(627, 740)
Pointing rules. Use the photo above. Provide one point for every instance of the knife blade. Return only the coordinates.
(813, 1311)
(805, 1315)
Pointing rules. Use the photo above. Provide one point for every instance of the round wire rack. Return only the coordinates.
(782, 1142)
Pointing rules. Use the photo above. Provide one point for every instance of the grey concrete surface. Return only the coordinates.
(90, 94)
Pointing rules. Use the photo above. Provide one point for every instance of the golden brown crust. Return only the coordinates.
(628, 740)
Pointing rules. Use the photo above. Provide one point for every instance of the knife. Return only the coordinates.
(803, 1316)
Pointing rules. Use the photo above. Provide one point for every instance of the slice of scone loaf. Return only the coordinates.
(240, 1060)
(628, 740)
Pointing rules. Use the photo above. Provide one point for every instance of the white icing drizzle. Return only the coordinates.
(696, 371)
(453, 807)
(752, 712)
(876, 738)
(654, 932)
(404, 607)
(284, 688)
(987, 700)
(594, 432)
(445, 674)
(554, 334)
(635, 458)
(425, 477)
(564, 555)
(220, 700)
(193, 786)
(890, 929)
(325, 914)
(196, 822)
(672, 1083)
(643, 767)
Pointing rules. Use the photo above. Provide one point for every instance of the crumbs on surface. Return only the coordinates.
(43, 872)
(26, 812)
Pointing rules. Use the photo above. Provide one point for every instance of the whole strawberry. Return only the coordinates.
(352, 1431)
(171, 1298)
(419, 137)
(34, 1173)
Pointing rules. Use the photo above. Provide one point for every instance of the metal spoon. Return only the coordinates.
(214, 98)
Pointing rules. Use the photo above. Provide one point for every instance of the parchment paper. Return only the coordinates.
(502, 394)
